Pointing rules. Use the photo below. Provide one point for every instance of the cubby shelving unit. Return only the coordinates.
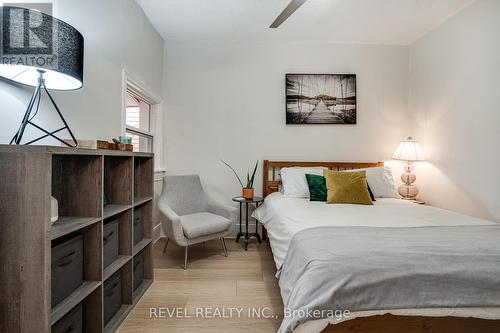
(125, 244)
(93, 187)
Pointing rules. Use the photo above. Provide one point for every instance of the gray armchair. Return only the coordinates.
(189, 216)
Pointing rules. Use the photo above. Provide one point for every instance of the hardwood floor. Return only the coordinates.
(212, 282)
(245, 280)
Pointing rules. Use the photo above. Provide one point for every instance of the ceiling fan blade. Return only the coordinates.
(287, 12)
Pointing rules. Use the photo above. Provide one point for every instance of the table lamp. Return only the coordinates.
(408, 150)
(43, 52)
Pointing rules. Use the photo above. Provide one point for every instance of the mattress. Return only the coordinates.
(284, 217)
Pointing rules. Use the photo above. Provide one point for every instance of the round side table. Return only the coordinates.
(256, 201)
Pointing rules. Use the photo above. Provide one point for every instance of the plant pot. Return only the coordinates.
(247, 193)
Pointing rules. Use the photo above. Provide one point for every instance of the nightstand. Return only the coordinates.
(256, 201)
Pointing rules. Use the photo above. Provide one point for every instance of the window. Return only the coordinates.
(138, 121)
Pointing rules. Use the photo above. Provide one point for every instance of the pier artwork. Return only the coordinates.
(321, 99)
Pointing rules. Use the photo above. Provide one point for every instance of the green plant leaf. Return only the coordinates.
(248, 180)
(237, 177)
(253, 174)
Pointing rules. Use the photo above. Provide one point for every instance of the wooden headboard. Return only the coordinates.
(271, 179)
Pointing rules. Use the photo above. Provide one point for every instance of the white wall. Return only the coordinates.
(455, 106)
(226, 101)
(117, 36)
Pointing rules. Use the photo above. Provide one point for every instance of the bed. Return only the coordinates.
(319, 247)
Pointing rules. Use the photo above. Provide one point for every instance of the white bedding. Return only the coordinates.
(283, 217)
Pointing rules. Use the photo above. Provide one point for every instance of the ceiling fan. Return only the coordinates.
(287, 12)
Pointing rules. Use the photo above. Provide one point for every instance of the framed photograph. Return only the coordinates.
(321, 99)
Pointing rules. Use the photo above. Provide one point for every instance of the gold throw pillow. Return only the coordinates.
(347, 187)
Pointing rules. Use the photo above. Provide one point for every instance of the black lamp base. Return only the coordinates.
(27, 119)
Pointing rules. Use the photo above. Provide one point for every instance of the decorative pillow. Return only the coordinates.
(380, 181)
(370, 191)
(318, 191)
(294, 181)
(347, 187)
(317, 187)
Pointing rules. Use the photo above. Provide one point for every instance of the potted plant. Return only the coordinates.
(247, 191)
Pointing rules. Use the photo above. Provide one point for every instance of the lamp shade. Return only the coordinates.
(408, 150)
(32, 41)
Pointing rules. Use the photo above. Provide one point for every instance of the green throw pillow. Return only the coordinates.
(318, 191)
(347, 187)
(317, 187)
(370, 191)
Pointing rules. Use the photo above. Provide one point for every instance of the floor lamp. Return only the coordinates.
(43, 52)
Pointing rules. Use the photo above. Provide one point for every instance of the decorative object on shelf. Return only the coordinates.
(54, 210)
(125, 139)
(321, 99)
(125, 144)
(247, 191)
(125, 147)
(410, 151)
(90, 144)
(53, 60)
(112, 146)
(105, 200)
(101, 144)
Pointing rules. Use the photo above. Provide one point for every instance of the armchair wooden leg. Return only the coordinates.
(165, 247)
(224, 248)
(185, 258)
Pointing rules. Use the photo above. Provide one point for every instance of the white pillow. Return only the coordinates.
(381, 182)
(294, 181)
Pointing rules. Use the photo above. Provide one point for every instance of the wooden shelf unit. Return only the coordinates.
(115, 266)
(113, 209)
(140, 201)
(127, 301)
(73, 300)
(68, 224)
(79, 179)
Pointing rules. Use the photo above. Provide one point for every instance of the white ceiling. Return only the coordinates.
(393, 22)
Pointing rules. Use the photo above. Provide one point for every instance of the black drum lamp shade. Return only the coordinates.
(39, 50)
(32, 41)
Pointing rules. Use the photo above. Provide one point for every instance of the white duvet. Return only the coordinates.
(283, 217)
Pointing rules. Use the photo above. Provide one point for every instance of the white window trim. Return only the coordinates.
(156, 116)
(134, 129)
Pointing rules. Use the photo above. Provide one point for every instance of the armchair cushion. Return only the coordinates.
(203, 224)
